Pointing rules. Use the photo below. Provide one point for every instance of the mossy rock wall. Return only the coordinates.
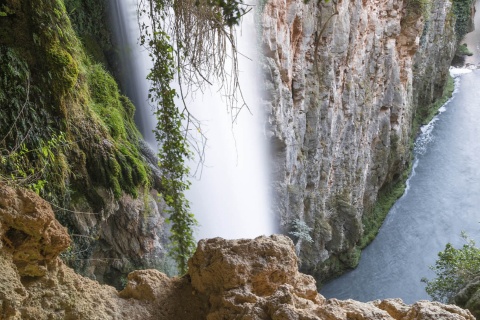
(67, 132)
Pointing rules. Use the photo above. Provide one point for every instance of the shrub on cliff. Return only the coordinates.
(463, 17)
(454, 269)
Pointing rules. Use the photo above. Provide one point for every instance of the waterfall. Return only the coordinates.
(230, 198)
(135, 64)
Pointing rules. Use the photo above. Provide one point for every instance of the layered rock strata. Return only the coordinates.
(341, 94)
(227, 279)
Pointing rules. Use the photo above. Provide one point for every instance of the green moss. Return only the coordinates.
(63, 68)
(462, 10)
(49, 86)
(60, 93)
(106, 101)
(374, 217)
(89, 19)
(373, 220)
(126, 169)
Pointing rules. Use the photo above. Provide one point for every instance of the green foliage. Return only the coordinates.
(34, 169)
(373, 219)
(463, 50)
(200, 31)
(301, 231)
(454, 269)
(106, 97)
(90, 21)
(5, 11)
(122, 169)
(60, 60)
(173, 151)
(65, 130)
(231, 10)
(462, 9)
(20, 120)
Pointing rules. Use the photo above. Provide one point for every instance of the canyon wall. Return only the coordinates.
(227, 279)
(343, 82)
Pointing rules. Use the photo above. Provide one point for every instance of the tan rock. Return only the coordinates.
(227, 279)
(30, 231)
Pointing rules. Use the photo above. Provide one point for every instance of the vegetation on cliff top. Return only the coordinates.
(454, 269)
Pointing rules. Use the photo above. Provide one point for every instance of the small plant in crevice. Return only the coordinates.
(301, 231)
(463, 50)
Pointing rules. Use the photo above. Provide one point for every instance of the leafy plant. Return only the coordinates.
(301, 230)
(173, 150)
(463, 50)
(462, 10)
(187, 39)
(454, 269)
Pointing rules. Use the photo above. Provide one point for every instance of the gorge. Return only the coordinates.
(440, 203)
(347, 85)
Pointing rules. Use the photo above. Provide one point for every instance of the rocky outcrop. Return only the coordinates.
(78, 143)
(227, 279)
(342, 83)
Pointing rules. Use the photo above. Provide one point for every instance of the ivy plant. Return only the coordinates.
(186, 40)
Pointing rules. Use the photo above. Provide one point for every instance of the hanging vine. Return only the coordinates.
(190, 41)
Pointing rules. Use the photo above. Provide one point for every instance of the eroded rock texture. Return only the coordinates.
(227, 279)
(125, 235)
(341, 94)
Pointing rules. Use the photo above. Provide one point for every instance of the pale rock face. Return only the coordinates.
(227, 279)
(340, 103)
(127, 234)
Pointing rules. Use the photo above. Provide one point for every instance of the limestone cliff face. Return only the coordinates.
(341, 94)
(436, 50)
(227, 279)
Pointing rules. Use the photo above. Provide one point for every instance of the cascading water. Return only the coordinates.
(230, 198)
(135, 64)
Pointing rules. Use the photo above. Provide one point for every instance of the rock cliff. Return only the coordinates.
(344, 81)
(227, 279)
(67, 132)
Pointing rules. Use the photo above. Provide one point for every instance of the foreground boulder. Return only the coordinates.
(227, 279)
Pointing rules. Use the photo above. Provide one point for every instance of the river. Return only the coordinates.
(442, 200)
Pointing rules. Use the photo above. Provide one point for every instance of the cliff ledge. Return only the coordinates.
(227, 279)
